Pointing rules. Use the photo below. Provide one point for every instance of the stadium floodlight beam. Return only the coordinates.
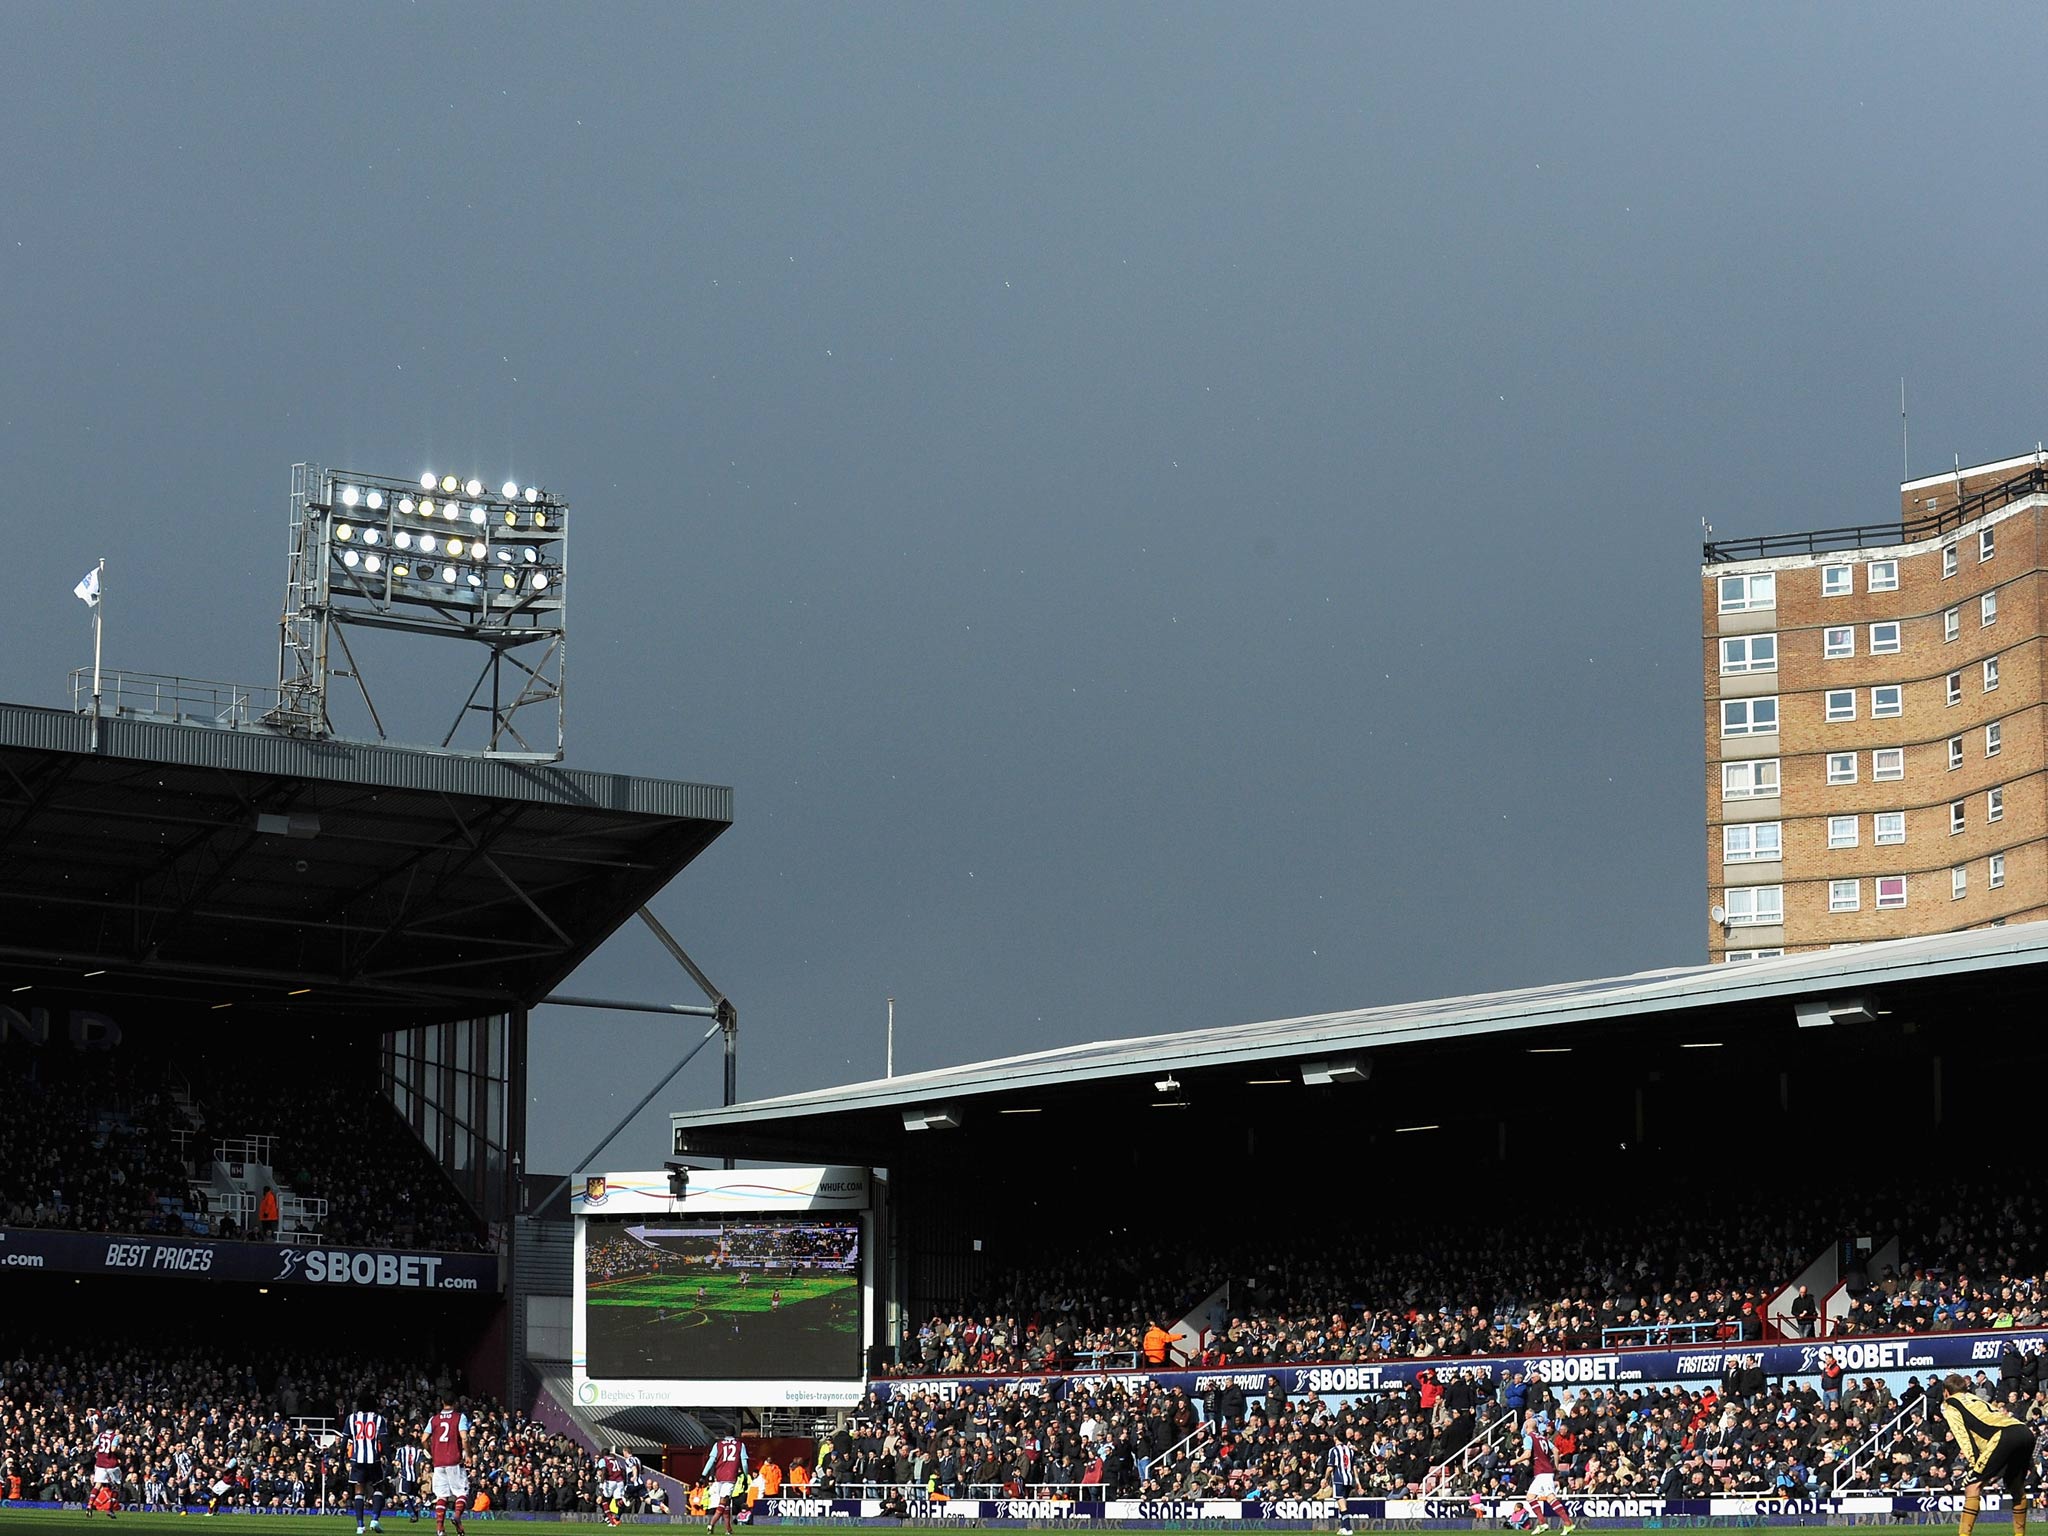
(333, 584)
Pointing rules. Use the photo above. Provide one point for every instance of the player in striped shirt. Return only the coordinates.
(365, 1433)
(411, 1462)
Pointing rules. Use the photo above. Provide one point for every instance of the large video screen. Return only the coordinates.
(672, 1298)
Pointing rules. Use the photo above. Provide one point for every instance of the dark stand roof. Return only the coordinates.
(199, 867)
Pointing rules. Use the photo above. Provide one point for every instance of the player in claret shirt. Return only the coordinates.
(106, 1466)
(728, 1459)
(446, 1433)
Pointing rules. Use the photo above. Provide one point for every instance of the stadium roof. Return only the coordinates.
(206, 867)
(853, 1121)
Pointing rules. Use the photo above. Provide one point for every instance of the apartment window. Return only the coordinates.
(1990, 675)
(1997, 871)
(1891, 891)
(1749, 717)
(1838, 640)
(1884, 576)
(1888, 827)
(1958, 816)
(1751, 842)
(1735, 956)
(1994, 738)
(1888, 763)
(1994, 804)
(1955, 752)
(1749, 653)
(1987, 543)
(1845, 895)
(1952, 624)
(1948, 561)
(1749, 781)
(1954, 688)
(1884, 638)
(1755, 905)
(1841, 703)
(1841, 767)
(1837, 580)
(1958, 883)
(1987, 609)
(1842, 831)
(1740, 594)
(1887, 700)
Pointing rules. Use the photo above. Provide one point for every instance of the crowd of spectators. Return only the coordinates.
(90, 1141)
(260, 1422)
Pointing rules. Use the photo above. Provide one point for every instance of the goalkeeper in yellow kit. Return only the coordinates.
(1994, 1446)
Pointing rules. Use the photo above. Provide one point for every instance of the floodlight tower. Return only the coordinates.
(434, 555)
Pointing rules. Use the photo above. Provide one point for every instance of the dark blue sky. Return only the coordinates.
(1166, 514)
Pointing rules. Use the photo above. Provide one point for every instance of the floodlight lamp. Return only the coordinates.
(511, 582)
(375, 500)
(530, 555)
(343, 532)
(455, 546)
(372, 564)
(475, 580)
(349, 558)
(427, 481)
(427, 543)
(451, 510)
(540, 519)
(406, 504)
(372, 536)
(402, 539)
(448, 574)
(540, 582)
(474, 487)
(511, 518)
(426, 506)
(504, 555)
(448, 483)
(401, 569)
(533, 493)
(509, 489)
(349, 495)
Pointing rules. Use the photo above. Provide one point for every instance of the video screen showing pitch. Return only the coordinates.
(675, 1299)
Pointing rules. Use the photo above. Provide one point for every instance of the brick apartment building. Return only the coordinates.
(1875, 736)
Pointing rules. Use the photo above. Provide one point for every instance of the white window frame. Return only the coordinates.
(1896, 897)
(1987, 544)
(1958, 817)
(1756, 590)
(1746, 710)
(1837, 580)
(1958, 882)
(1740, 785)
(1997, 879)
(1739, 956)
(1990, 673)
(1837, 641)
(1994, 803)
(1753, 842)
(1884, 638)
(1845, 895)
(1888, 829)
(1955, 753)
(1739, 654)
(1754, 906)
(1987, 610)
(1878, 775)
(1949, 561)
(1887, 701)
(1953, 689)
(1883, 576)
(1838, 705)
(1836, 762)
(1844, 831)
(1952, 624)
(1994, 738)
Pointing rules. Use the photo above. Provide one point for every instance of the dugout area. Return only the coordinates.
(1618, 1091)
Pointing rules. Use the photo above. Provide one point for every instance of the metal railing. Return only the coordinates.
(245, 1149)
(1879, 1442)
(187, 700)
(1637, 1334)
(1471, 1451)
(1862, 535)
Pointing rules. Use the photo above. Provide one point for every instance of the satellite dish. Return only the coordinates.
(1719, 914)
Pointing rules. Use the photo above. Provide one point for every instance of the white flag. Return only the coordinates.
(88, 590)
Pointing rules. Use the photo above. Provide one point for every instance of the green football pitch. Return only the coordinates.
(721, 1293)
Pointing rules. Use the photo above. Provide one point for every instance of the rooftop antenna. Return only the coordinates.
(1905, 454)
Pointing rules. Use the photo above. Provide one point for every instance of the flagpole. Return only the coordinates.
(99, 610)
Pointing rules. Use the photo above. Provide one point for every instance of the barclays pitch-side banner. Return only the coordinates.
(197, 1258)
(1621, 1367)
(1449, 1512)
